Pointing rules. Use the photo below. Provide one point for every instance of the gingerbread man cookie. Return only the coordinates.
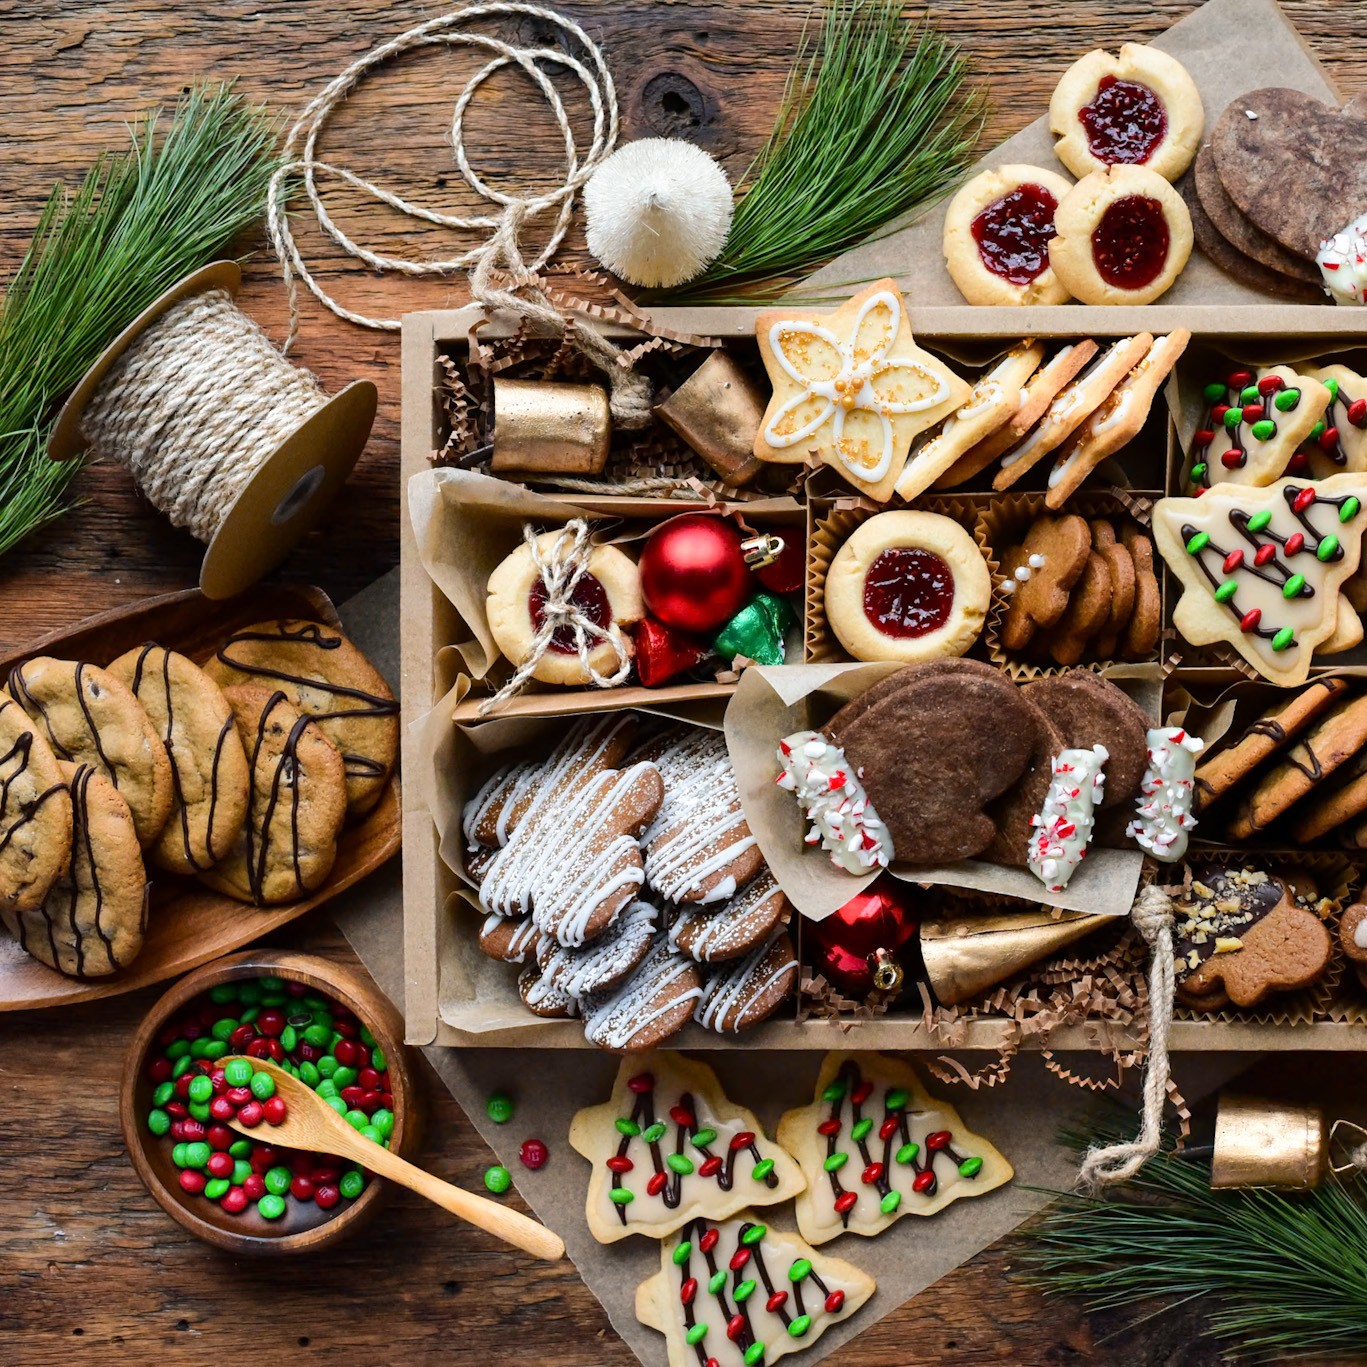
(1039, 574)
(875, 1146)
(669, 1147)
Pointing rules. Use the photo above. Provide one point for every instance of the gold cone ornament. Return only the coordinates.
(717, 411)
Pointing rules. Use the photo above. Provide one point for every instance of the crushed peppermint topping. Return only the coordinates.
(1163, 809)
(1061, 832)
(844, 821)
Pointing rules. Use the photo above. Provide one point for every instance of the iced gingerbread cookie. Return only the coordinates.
(1073, 407)
(851, 388)
(92, 921)
(738, 1293)
(1261, 569)
(573, 975)
(509, 939)
(88, 717)
(714, 935)
(35, 813)
(607, 594)
(1337, 443)
(744, 992)
(1256, 419)
(669, 1147)
(1116, 422)
(907, 586)
(652, 1004)
(1039, 574)
(997, 232)
(1140, 108)
(875, 1146)
(211, 787)
(1124, 235)
(996, 398)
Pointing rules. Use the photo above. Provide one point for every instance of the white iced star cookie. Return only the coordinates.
(851, 388)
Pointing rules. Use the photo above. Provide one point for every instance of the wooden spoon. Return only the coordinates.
(312, 1125)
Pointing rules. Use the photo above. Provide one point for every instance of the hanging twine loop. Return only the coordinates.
(302, 167)
(560, 573)
(1355, 1154)
(1106, 1165)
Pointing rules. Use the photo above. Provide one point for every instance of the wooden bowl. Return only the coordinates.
(304, 1227)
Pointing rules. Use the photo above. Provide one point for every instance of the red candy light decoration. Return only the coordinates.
(863, 938)
(662, 653)
(693, 573)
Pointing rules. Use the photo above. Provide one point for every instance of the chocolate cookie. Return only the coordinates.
(288, 842)
(88, 717)
(92, 921)
(1013, 814)
(35, 812)
(653, 1004)
(322, 674)
(746, 991)
(733, 929)
(211, 787)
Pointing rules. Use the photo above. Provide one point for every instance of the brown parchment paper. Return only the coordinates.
(770, 704)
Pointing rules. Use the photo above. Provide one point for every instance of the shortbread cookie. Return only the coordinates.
(288, 842)
(1261, 569)
(1088, 610)
(851, 388)
(211, 787)
(1044, 387)
(35, 813)
(327, 678)
(995, 400)
(1338, 442)
(732, 929)
(668, 1105)
(607, 594)
(907, 586)
(997, 231)
(1116, 422)
(1041, 572)
(1256, 418)
(1330, 743)
(1140, 637)
(1120, 568)
(1073, 407)
(649, 1007)
(1140, 108)
(1332, 805)
(88, 717)
(875, 1146)
(1124, 236)
(92, 921)
(1282, 722)
(698, 848)
(702, 1299)
(1243, 933)
(746, 991)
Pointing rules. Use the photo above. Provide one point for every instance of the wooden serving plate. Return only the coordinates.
(188, 924)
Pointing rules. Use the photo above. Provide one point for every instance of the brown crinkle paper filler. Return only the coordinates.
(818, 999)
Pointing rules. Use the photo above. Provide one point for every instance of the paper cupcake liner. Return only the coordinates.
(1002, 521)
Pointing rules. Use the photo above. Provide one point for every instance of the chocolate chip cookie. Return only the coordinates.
(35, 812)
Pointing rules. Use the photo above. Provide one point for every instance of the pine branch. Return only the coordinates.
(138, 222)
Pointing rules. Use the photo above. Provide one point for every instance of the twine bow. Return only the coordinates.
(1106, 1165)
(560, 573)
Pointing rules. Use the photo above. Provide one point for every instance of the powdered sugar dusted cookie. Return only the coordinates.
(654, 1003)
(510, 939)
(606, 961)
(717, 934)
(669, 1147)
(746, 991)
(875, 1146)
(703, 1298)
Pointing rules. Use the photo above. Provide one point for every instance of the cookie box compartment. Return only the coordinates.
(189, 924)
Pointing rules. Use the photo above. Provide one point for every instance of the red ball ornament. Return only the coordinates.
(868, 931)
(662, 652)
(693, 573)
(787, 574)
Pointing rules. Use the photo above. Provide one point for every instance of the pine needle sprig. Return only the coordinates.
(1283, 1274)
(137, 223)
(875, 122)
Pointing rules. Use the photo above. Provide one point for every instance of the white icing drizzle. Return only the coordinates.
(713, 935)
(843, 819)
(1022, 573)
(1165, 795)
(1342, 260)
(551, 997)
(1062, 830)
(577, 972)
(1360, 934)
(523, 939)
(1061, 406)
(738, 985)
(700, 828)
(613, 1020)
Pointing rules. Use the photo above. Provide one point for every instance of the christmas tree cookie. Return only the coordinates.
(874, 1146)
(736, 1293)
(1261, 569)
(851, 388)
(1337, 443)
(668, 1147)
(1255, 420)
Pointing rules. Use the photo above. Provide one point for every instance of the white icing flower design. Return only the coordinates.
(853, 382)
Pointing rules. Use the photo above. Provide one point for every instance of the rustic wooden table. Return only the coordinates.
(87, 1261)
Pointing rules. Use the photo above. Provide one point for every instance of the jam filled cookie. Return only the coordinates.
(88, 717)
(1124, 236)
(997, 232)
(92, 921)
(323, 675)
(35, 812)
(1140, 108)
(907, 586)
(210, 783)
(851, 388)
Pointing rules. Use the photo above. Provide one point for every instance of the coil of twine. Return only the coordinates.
(196, 406)
(498, 251)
